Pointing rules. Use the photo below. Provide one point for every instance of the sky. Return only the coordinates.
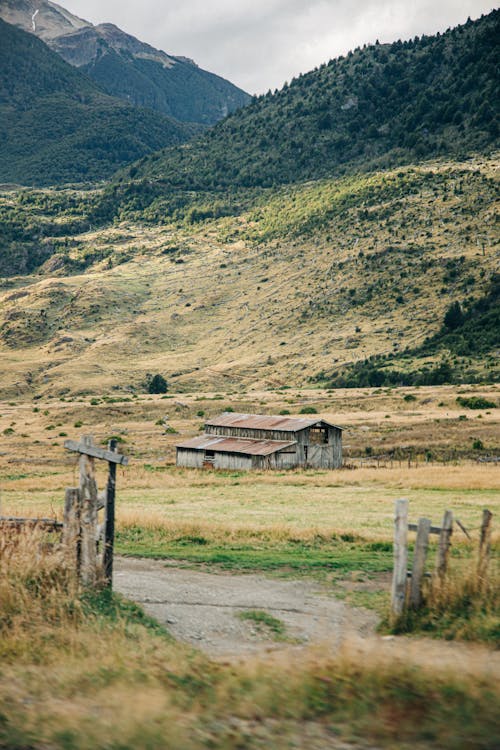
(260, 44)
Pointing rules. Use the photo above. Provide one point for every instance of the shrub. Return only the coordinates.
(157, 384)
(475, 402)
(308, 410)
(453, 317)
(478, 445)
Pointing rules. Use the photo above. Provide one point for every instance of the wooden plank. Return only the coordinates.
(417, 572)
(398, 596)
(485, 543)
(95, 452)
(462, 528)
(88, 493)
(109, 532)
(49, 524)
(71, 533)
(432, 530)
(444, 544)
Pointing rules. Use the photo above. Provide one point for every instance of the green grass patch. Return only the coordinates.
(265, 622)
(310, 557)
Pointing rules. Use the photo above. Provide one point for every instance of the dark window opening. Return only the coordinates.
(318, 436)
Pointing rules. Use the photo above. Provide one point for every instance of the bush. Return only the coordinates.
(157, 384)
(308, 410)
(478, 445)
(453, 317)
(476, 402)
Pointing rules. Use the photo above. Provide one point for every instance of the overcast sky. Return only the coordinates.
(260, 44)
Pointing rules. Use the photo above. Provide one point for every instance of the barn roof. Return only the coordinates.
(247, 446)
(266, 422)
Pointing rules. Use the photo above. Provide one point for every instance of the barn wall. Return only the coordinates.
(279, 460)
(191, 459)
(232, 461)
(245, 432)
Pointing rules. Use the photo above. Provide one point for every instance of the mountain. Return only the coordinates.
(127, 68)
(381, 105)
(57, 126)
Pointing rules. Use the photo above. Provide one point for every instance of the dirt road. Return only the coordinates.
(203, 608)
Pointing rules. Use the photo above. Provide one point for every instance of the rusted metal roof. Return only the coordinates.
(247, 446)
(266, 422)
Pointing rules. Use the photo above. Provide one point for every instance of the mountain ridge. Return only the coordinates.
(126, 67)
(57, 126)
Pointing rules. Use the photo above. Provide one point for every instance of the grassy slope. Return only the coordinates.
(57, 126)
(312, 277)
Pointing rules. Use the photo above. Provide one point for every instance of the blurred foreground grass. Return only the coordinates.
(92, 671)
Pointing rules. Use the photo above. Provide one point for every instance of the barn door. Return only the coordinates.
(319, 455)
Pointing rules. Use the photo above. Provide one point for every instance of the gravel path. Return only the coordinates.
(202, 608)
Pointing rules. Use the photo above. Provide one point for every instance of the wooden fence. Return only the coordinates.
(87, 537)
(407, 584)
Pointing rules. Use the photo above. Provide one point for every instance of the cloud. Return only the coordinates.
(258, 44)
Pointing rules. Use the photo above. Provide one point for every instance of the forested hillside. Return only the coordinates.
(381, 105)
(57, 126)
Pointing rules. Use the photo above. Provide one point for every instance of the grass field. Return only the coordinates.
(79, 672)
(329, 523)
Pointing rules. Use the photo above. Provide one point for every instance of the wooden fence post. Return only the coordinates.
(444, 544)
(71, 527)
(484, 544)
(109, 523)
(398, 597)
(421, 546)
(88, 492)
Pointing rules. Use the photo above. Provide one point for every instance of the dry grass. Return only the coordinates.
(465, 605)
(289, 309)
(80, 671)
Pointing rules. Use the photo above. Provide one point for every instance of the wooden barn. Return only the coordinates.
(253, 441)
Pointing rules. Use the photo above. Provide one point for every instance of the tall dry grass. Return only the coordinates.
(87, 671)
(464, 605)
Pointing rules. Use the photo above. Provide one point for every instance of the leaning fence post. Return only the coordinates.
(88, 490)
(109, 533)
(444, 544)
(398, 598)
(421, 546)
(484, 543)
(71, 527)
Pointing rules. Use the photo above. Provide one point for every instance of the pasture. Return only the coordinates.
(92, 671)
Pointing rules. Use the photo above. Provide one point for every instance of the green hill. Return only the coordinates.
(378, 106)
(56, 126)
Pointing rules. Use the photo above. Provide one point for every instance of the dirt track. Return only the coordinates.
(202, 608)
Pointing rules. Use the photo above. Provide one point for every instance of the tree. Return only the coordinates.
(454, 316)
(157, 384)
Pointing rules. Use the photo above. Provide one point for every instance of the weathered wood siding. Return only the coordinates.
(232, 461)
(327, 455)
(190, 459)
(247, 432)
(195, 459)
